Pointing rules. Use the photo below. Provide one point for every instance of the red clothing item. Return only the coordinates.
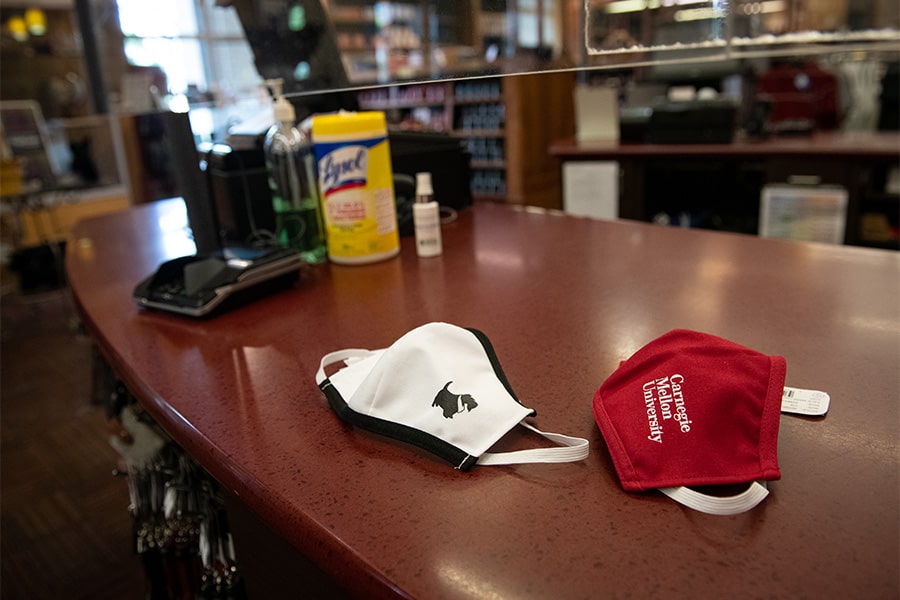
(801, 92)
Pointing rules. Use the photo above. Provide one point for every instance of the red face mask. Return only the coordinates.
(692, 409)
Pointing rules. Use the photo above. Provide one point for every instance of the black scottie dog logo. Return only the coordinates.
(452, 403)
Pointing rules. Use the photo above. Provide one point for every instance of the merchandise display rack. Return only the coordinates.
(495, 119)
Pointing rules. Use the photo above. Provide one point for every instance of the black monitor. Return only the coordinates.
(181, 148)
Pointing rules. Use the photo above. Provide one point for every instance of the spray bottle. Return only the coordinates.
(426, 218)
(292, 180)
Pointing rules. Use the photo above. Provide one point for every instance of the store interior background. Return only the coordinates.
(99, 91)
(101, 69)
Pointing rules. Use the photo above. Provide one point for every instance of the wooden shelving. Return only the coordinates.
(506, 123)
(877, 221)
(488, 164)
(400, 41)
(472, 133)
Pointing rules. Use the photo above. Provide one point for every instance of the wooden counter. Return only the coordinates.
(563, 300)
(725, 181)
(821, 145)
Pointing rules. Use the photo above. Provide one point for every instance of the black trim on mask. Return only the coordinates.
(458, 458)
(495, 363)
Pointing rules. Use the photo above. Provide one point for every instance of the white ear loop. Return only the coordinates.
(715, 505)
(341, 355)
(570, 449)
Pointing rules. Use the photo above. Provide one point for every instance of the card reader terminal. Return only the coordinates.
(196, 285)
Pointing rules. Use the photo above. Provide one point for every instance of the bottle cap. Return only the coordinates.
(365, 123)
(423, 184)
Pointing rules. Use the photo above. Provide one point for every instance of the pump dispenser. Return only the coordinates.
(292, 181)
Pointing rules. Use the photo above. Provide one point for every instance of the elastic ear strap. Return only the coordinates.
(338, 355)
(715, 505)
(571, 449)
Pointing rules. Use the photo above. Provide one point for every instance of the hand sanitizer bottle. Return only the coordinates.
(292, 180)
(426, 218)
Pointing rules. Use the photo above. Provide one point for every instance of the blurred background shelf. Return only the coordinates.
(505, 123)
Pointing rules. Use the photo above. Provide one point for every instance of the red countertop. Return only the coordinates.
(563, 300)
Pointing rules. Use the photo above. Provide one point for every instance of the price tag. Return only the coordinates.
(805, 402)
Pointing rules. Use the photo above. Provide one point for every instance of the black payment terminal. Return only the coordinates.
(198, 284)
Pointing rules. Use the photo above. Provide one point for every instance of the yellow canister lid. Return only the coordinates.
(347, 123)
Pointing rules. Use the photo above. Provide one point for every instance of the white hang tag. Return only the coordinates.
(804, 402)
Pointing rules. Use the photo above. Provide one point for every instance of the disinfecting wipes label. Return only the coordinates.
(357, 182)
(804, 402)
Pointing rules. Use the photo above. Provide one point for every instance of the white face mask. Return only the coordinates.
(441, 388)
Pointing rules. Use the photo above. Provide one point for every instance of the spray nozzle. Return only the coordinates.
(284, 110)
(275, 86)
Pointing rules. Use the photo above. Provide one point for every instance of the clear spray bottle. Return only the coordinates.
(292, 180)
(426, 218)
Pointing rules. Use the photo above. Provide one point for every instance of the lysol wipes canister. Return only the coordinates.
(357, 186)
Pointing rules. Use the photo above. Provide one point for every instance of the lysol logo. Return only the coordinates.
(343, 168)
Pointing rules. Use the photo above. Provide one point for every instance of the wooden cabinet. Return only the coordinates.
(874, 216)
(51, 218)
(719, 186)
(538, 109)
(506, 124)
